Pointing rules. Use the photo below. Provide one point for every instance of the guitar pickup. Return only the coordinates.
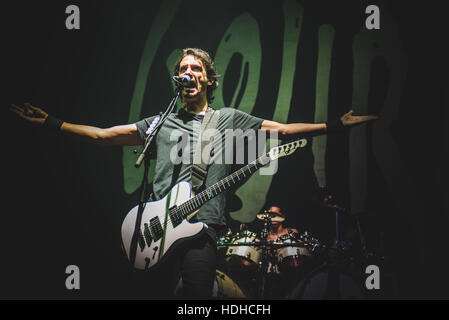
(141, 240)
(156, 228)
(175, 217)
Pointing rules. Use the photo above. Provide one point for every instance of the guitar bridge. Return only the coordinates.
(147, 234)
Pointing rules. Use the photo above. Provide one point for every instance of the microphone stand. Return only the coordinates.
(145, 155)
(153, 133)
(363, 247)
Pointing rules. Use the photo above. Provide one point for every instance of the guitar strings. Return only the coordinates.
(169, 223)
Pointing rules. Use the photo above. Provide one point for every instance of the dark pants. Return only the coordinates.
(194, 262)
(197, 266)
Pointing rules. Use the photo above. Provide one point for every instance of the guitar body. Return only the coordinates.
(158, 237)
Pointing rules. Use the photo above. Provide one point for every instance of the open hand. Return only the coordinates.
(30, 113)
(349, 120)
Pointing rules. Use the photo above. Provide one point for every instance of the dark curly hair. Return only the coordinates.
(208, 64)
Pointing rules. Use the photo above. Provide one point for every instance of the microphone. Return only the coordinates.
(185, 81)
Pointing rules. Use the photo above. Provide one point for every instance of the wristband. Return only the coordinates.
(335, 126)
(52, 123)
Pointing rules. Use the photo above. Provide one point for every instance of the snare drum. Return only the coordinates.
(245, 255)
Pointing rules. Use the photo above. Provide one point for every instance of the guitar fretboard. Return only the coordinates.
(180, 212)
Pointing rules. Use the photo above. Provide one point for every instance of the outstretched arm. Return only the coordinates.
(290, 130)
(123, 135)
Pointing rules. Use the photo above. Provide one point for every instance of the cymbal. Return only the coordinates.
(334, 206)
(274, 216)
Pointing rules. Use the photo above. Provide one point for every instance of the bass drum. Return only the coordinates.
(325, 284)
(225, 287)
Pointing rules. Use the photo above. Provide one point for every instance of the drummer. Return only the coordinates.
(277, 285)
(278, 234)
(277, 229)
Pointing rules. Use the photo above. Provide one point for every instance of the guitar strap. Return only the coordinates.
(200, 165)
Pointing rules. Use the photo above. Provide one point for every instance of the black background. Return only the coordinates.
(64, 200)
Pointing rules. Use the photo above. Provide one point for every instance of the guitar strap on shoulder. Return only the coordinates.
(200, 165)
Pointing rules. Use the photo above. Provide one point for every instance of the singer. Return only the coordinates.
(195, 263)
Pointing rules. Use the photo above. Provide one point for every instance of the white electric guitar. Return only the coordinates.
(164, 224)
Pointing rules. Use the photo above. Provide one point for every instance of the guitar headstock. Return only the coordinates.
(286, 149)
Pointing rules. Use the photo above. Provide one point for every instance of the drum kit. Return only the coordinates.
(293, 266)
(251, 266)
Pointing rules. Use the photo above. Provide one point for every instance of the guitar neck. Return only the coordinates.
(224, 184)
(182, 211)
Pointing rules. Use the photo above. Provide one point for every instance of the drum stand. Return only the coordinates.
(334, 260)
(264, 261)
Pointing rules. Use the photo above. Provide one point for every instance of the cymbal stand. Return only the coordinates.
(333, 260)
(263, 245)
(337, 242)
(362, 237)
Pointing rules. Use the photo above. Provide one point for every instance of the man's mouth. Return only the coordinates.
(190, 91)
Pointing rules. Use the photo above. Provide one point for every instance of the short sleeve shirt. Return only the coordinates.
(175, 146)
